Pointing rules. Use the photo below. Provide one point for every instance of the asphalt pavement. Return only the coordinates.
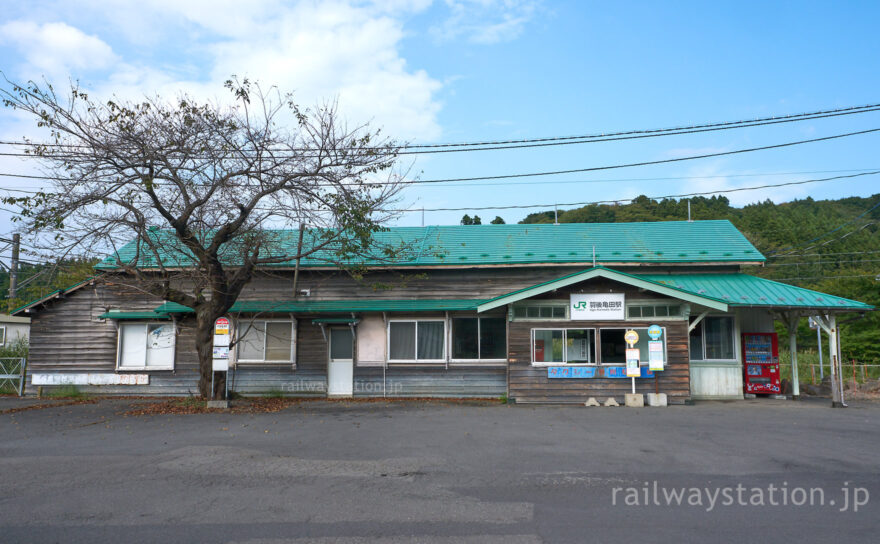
(373, 472)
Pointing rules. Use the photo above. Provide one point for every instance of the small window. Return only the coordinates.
(653, 310)
(416, 341)
(479, 338)
(563, 346)
(2, 336)
(265, 341)
(146, 346)
(552, 310)
(713, 339)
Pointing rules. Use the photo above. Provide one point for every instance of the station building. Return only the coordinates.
(536, 313)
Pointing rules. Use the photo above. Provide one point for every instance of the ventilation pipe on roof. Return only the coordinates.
(556, 214)
(689, 211)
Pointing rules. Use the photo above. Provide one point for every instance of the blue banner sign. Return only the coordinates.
(571, 372)
(620, 372)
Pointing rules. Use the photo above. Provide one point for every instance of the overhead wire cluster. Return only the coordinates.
(508, 179)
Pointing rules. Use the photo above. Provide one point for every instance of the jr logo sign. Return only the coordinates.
(599, 306)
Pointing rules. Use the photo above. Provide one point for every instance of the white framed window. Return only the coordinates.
(563, 347)
(479, 339)
(714, 339)
(2, 336)
(266, 341)
(417, 341)
(612, 346)
(537, 310)
(146, 346)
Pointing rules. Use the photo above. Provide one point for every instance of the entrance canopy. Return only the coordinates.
(718, 291)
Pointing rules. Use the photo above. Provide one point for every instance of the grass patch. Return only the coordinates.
(808, 367)
(65, 392)
(273, 394)
(191, 402)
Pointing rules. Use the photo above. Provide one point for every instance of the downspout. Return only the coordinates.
(299, 247)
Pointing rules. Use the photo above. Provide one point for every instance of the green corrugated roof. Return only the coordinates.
(647, 242)
(334, 306)
(745, 290)
(134, 315)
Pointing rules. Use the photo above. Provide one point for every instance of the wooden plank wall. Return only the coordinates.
(530, 383)
(68, 336)
(430, 381)
(469, 283)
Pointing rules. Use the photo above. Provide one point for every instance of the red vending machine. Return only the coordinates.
(761, 363)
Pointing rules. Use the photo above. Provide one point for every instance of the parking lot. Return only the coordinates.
(324, 471)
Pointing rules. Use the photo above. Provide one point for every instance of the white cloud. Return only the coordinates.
(55, 49)
(345, 50)
(714, 177)
(485, 21)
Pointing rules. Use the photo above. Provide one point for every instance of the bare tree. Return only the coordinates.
(205, 189)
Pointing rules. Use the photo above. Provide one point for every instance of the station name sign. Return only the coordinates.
(597, 307)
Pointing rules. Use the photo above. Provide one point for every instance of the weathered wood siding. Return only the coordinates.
(530, 383)
(68, 336)
(430, 381)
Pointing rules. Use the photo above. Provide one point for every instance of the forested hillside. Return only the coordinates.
(38, 280)
(832, 246)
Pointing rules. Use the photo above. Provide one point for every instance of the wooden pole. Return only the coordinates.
(855, 383)
(792, 341)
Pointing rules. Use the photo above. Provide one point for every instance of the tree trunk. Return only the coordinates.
(205, 349)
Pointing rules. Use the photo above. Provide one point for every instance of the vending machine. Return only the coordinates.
(761, 363)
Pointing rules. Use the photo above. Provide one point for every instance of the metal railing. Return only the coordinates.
(13, 372)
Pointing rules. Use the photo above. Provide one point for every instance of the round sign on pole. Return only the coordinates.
(655, 332)
(631, 337)
(221, 326)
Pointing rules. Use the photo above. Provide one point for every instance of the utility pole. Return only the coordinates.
(13, 270)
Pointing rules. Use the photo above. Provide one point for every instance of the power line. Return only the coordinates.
(566, 140)
(614, 201)
(650, 163)
(826, 277)
(721, 191)
(832, 231)
(793, 255)
(557, 172)
(607, 180)
(813, 263)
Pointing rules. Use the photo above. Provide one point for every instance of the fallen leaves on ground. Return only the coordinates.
(48, 405)
(269, 405)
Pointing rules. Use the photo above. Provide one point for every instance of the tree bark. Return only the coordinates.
(205, 348)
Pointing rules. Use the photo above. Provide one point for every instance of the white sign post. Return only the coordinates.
(633, 365)
(597, 307)
(220, 358)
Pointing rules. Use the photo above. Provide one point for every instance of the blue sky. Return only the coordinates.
(472, 70)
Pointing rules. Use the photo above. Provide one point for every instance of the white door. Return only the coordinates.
(340, 368)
